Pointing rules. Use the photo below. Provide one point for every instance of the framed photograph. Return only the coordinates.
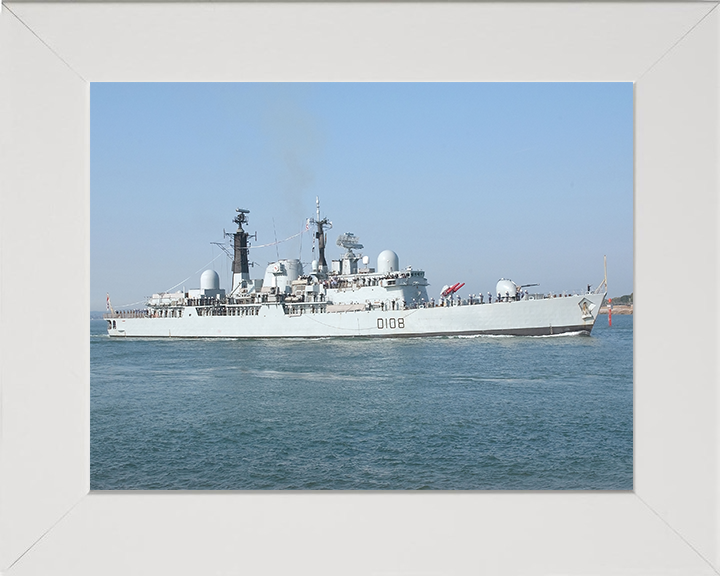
(317, 359)
(49, 55)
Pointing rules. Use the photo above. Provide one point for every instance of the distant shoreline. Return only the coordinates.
(618, 309)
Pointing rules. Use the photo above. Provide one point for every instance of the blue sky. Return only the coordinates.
(469, 182)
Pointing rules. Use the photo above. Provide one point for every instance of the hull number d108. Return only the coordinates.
(390, 323)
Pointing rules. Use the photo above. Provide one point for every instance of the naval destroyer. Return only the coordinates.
(347, 299)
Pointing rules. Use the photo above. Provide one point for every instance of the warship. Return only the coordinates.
(347, 299)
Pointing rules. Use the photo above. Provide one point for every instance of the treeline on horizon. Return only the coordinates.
(626, 300)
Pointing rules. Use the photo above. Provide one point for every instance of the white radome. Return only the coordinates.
(209, 280)
(388, 262)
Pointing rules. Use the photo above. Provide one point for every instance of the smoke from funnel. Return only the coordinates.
(296, 140)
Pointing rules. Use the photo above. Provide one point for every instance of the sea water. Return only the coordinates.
(479, 413)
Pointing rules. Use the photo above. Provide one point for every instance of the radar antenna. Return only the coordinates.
(350, 242)
(241, 218)
(322, 225)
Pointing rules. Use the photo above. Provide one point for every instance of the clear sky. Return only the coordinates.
(469, 182)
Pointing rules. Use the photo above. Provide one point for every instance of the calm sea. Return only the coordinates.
(484, 413)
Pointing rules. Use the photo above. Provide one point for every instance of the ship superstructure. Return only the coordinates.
(347, 299)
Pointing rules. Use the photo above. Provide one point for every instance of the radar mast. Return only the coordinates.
(321, 236)
(240, 267)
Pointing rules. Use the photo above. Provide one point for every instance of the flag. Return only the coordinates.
(107, 304)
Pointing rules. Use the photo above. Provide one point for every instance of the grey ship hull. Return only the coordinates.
(548, 316)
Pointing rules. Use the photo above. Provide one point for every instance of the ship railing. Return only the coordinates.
(231, 310)
(126, 314)
(299, 308)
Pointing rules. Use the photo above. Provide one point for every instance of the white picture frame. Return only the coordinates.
(51, 523)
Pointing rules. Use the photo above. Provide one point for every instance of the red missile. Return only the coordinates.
(450, 290)
(457, 287)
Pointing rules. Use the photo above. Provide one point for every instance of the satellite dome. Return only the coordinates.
(388, 262)
(209, 280)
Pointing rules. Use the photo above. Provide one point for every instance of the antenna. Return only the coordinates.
(605, 264)
(241, 218)
(277, 250)
(324, 223)
(349, 241)
(223, 247)
(320, 235)
(603, 284)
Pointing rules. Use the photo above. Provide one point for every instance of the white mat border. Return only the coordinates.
(689, 509)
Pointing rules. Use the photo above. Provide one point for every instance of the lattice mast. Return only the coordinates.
(321, 237)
